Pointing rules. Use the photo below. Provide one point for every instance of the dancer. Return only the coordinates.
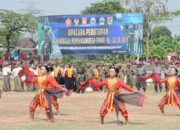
(42, 98)
(172, 97)
(52, 93)
(115, 99)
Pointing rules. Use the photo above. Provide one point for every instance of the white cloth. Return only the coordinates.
(36, 71)
(16, 71)
(6, 71)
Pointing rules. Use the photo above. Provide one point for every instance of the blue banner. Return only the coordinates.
(95, 34)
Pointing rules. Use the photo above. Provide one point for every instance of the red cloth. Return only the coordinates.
(27, 73)
(52, 83)
(155, 76)
(84, 85)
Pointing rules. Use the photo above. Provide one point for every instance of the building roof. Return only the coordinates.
(26, 43)
(23, 43)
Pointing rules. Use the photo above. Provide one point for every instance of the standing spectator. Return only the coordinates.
(178, 68)
(166, 73)
(56, 70)
(6, 76)
(17, 80)
(178, 55)
(157, 69)
(31, 59)
(80, 76)
(129, 75)
(1, 63)
(7, 55)
(140, 71)
(69, 80)
(14, 54)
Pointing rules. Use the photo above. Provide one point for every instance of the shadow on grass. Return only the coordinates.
(137, 123)
(123, 123)
(115, 122)
(61, 114)
(38, 119)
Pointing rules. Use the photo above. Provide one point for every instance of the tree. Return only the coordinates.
(104, 7)
(155, 12)
(13, 25)
(161, 34)
(161, 31)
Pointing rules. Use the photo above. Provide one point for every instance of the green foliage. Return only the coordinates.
(68, 59)
(104, 7)
(160, 31)
(161, 46)
(12, 26)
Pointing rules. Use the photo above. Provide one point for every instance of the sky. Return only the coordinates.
(65, 7)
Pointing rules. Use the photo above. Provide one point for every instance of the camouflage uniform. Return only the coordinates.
(80, 77)
(157, 69)
(129, 75)
(140, 71)
(166, 73)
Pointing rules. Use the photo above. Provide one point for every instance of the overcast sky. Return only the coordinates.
(65, 7)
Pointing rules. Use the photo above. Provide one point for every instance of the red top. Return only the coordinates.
(112, 84)
(48, 82)
(171, 81)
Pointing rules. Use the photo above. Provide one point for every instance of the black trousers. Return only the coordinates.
(69, 83)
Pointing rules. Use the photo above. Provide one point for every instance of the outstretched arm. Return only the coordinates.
(125, 86)
(95, 82)
(32, 81)
(99, 84)
(54, 83)
(164, 80)
(178, 81)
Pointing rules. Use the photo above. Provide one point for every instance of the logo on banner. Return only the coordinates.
(68, 22)
(101, 21)
(109, 20)
(84, 21)
(76, 21)
(93, 21)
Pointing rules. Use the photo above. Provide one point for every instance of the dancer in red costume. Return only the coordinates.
(42, 99)
(172, 97)
(115, 99)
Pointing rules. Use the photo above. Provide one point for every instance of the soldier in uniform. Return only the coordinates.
(140, 71)
(178, 74)
(69, 78)
(166, 73)
(157, 69)
(178, 68)
(129, 75)
(80, 76)
(88, 73)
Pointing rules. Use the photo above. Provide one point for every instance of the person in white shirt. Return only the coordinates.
(17, 80)
(6, 76)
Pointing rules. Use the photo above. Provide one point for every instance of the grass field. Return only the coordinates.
(81, 112)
